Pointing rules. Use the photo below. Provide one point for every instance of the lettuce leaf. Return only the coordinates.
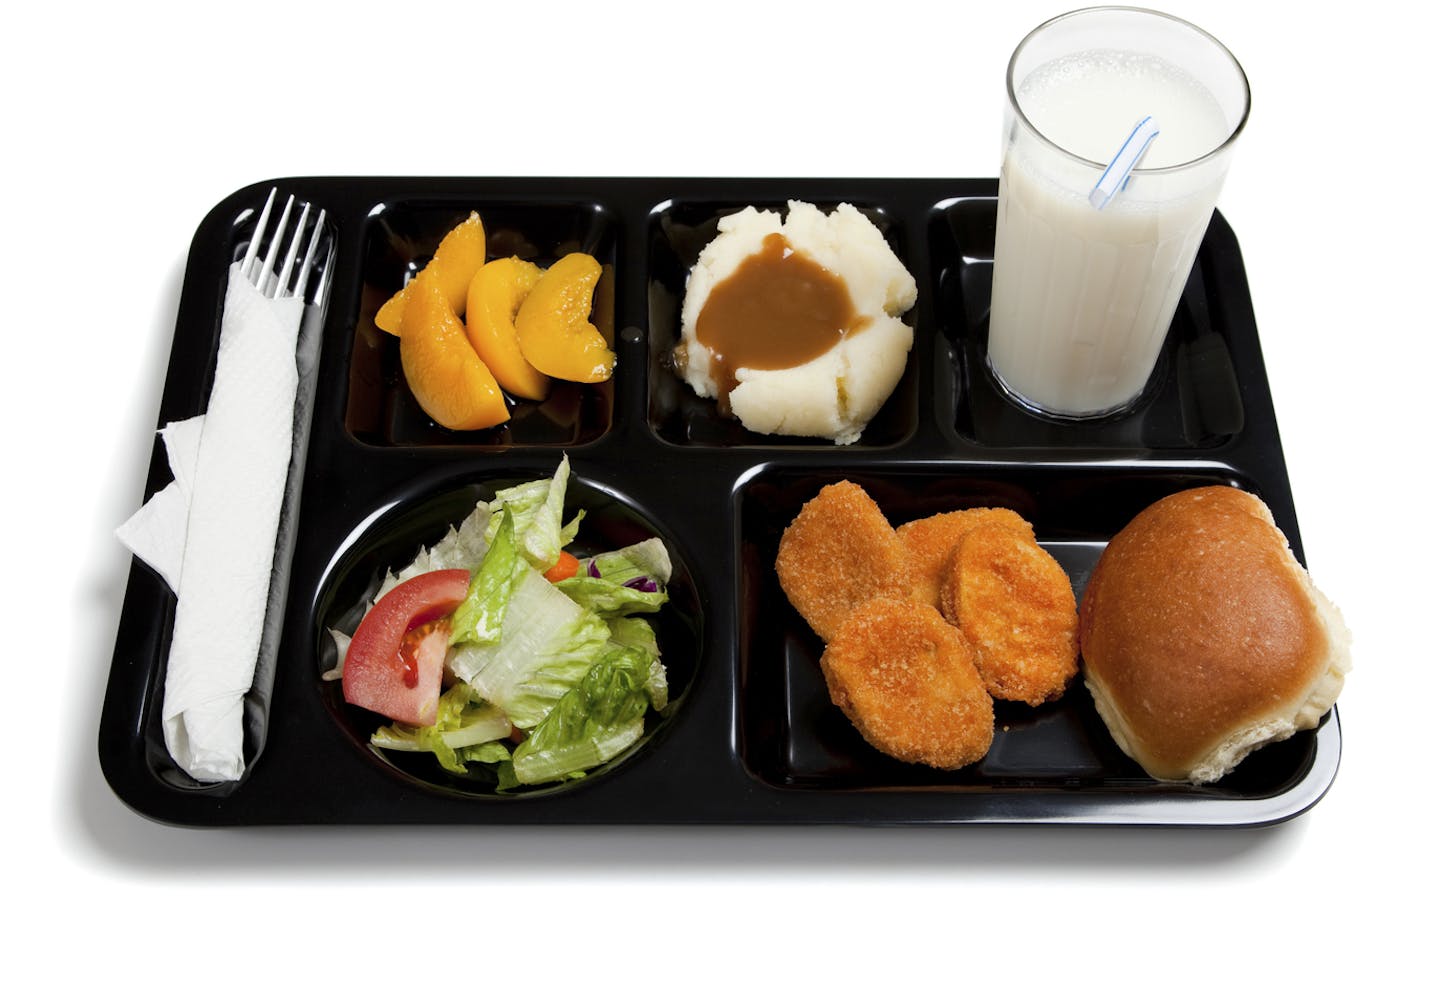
(634, 632)
(643, 559)
(466, 729)
(545, 645)
(637, 633)
(627, 581)
(596, 720)
(489, 753)
(463, 547)
(481, 615)
(459, 548)
(536, 509)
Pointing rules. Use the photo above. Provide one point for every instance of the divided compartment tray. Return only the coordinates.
(750, 735)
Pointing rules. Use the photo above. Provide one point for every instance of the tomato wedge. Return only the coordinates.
(397, 656)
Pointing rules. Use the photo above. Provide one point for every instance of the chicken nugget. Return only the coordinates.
(1014, 603)
(837, 554)
(907, 681)
(931, 543)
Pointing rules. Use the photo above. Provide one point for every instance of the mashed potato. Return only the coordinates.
(834, 394)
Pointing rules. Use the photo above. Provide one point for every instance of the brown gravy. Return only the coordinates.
(778, 309)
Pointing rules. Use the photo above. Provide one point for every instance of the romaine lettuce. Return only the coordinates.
(627, 581)
(545, 645)
(459, 548)
(602, 716)
(481, 615)
(536, 509)
(637, 633)
(466, 729)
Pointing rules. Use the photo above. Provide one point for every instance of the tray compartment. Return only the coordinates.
(792, 736)
(399, 238)
(1191, 402)
(389, 539)
(678, 229)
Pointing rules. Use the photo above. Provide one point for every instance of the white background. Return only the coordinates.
(125, 123)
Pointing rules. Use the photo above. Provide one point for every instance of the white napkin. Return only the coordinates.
(211, 533)
(156, 533)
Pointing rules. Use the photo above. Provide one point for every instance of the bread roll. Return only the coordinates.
(1203, 638)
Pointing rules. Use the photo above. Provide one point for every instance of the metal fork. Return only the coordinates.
(263, 275)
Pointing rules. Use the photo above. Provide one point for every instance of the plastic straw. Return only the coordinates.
(1117, 173)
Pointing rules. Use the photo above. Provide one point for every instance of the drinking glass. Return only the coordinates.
(1083, 295)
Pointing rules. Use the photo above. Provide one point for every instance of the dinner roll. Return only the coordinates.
(1203, 638)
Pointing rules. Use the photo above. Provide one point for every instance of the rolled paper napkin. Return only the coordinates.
(230, 468)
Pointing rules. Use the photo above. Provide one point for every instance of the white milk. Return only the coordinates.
(1083, 298)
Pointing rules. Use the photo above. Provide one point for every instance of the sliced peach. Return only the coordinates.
(554, 328)
(605, 304)
(496, 292)
(445, 374)
(459, 256)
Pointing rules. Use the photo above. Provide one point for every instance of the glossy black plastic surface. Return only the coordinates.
(751, 736)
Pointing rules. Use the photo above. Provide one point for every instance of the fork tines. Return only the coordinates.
(290, 280)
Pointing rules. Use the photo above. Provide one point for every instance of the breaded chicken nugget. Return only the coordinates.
(907, 681)
(1014, 603)
(837, 554)
(931, 543)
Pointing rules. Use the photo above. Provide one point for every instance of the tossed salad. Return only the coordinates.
(498, 646)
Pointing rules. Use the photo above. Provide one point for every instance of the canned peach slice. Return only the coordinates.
(459, 256)
(554, 328)
(447, 377)
(496, 293)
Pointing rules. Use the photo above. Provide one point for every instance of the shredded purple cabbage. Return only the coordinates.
(642, 583)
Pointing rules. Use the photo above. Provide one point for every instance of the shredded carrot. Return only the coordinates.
(565, 567)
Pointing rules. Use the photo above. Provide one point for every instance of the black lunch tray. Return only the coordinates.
(750, 736)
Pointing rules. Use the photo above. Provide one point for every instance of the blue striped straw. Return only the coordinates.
(1117, 173)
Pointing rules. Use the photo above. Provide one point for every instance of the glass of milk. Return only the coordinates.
(1082, 296)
